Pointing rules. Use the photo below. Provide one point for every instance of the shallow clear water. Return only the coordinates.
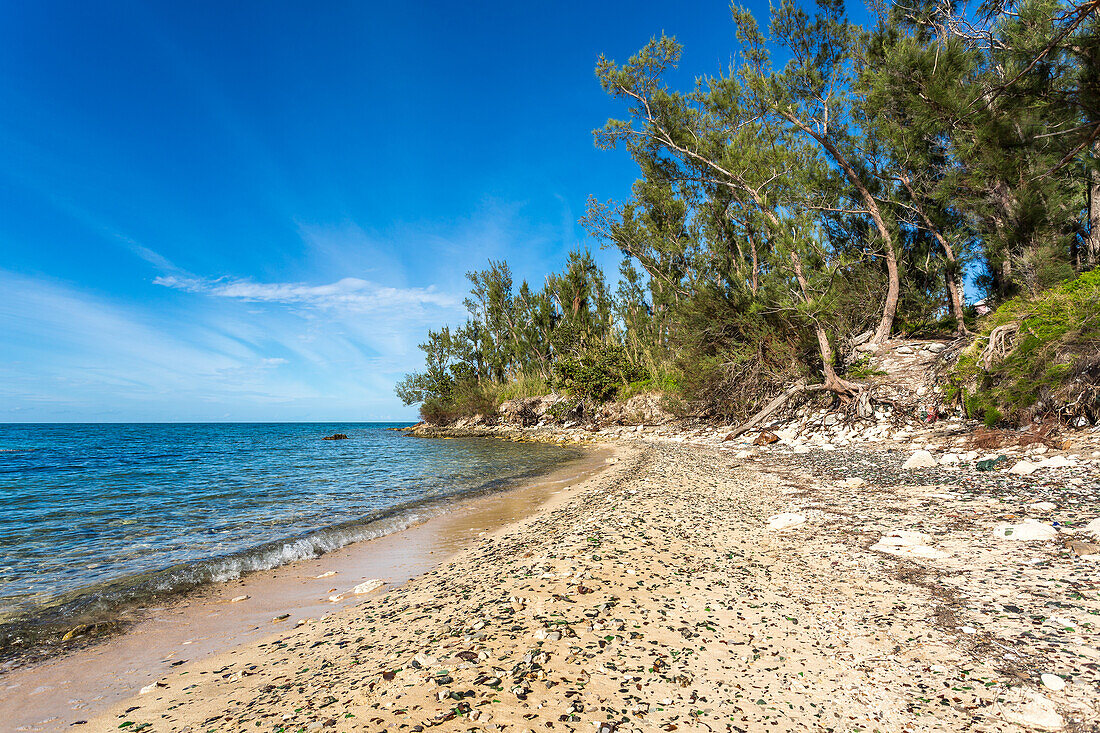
(95, 514)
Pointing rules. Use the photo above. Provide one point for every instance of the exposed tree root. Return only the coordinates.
(1000, 343)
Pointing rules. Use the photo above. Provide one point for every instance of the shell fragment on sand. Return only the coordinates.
(368, 587)
(786, 520)
(1030, 529)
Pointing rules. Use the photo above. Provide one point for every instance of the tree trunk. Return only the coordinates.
(951, 271)
(1092, 238)
(893, 287)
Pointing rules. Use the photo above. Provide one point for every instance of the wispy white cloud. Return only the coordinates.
(349, 293)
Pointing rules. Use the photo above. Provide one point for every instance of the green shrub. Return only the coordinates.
(1058, 337)
(596, 375)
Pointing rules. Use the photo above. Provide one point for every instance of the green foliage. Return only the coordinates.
(782, 208)
(596, 375)
(1058, 338)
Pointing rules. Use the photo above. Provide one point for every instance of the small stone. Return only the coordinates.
(766, 438)
(238, 599)
(855, 482)
(1052, 681)
(368, 587)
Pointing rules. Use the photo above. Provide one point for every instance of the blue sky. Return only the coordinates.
(254, 210)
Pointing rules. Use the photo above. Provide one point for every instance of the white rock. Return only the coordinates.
(1044, 506)
(368, 586)
(1052, 681)
(329, 574)
(948, 458)
(968, 629)
(238, 599)
(920, 459)
(1056, 462)
(425, 660)
(1024, 468)
(855, 482)
(1030, 529)
(786, 520)
(1093, 527)
(1034, 710)
(905, 543)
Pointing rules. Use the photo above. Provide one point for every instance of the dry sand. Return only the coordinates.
(655, 596)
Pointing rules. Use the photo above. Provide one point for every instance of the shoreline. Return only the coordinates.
(705, 586)
(52, 693)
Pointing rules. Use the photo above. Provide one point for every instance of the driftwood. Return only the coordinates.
(773, 406)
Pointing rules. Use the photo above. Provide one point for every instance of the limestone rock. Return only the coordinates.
(786, 520)
(905, 543)
(920, 459)
(1024, 468)
(368, 586)
(1030, 529)
(1033, 710)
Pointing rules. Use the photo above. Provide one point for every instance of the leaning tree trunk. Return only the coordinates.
(844, 388)
(893, 287)
(952, 269)
(1092, 239)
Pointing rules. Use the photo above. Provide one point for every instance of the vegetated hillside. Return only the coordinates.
(831, 188)
(1036, 356)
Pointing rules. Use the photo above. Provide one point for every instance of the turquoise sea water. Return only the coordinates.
(96, 515)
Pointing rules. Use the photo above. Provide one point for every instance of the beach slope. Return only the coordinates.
(659, 596)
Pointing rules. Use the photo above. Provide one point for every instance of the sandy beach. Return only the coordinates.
(52, 695)
(701, 588)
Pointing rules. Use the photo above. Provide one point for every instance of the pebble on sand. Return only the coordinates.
(368, 586)
(1052, 681)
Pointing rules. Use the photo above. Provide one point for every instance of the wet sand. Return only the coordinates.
(54, 694)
